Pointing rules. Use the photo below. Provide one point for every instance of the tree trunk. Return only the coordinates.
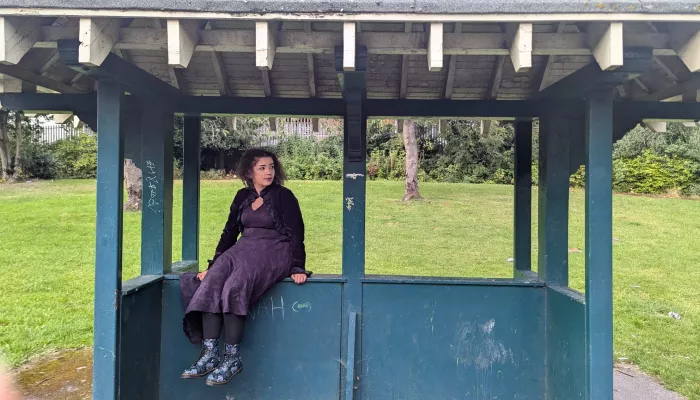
(411, 145)
(134, 190)
(19, 136)
(4, 145)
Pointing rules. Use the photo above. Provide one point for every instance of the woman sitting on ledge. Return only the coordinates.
(270, 249)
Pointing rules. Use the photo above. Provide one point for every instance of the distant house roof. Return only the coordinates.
(376, 6)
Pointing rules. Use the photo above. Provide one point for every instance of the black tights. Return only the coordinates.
(233, 323)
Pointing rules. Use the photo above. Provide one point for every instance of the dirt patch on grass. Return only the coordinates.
(67, 375)
(61, 375)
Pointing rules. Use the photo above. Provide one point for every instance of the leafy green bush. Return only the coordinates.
(307, 159)
(77, 157)
(38, 161)
(651, 173)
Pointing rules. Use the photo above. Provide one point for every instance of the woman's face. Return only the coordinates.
(263, 172)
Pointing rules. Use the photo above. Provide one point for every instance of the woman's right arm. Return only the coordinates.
(230, 232)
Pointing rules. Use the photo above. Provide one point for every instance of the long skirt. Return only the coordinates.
(237, 280)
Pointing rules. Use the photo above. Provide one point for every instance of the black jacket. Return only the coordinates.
(285, 212)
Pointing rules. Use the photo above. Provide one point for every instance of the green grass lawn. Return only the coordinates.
(47, 254)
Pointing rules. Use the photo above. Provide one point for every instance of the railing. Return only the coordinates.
(54, 132)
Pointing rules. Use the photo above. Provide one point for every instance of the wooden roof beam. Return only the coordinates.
(452, 68)
(312, 79)
(221, 74)
(435, 47)
(265, 45)
(36, 79)
(97, 38)
(17, 36)
(410, 43)
(686, 42)
(637, 61)
(548, 65)
(521, 48)
(607, 44)
(310, 66)
(183, 37)
(138, 81)
(349, 45)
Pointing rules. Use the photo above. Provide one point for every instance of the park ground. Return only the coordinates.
(47, 256)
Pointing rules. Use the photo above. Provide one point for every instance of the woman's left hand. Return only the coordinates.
(299, 278)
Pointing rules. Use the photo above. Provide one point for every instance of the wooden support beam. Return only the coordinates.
(655, 126)
(665, 68)
(435, 50)
(62, 118)
(265, 44)
(267, 84)
(310, 66)
(672, 91)
(108, 243)
(97, 38)
(485, 126)
(548, 65)
(496, 78)
(222, 80)
(553, 203)
(637, 61)
(36, 79)
(598, 246)
(607, 44)
(191, 165)
(182, 40)
(50, 62)
(18, 35)
(522, 224)
(396, 43)
(349, 44)
(641, 84)
(157, 209)
(177, 78)
(686, 42)
(137, 81)
(494, 86)
(451, 68)
(521, 48)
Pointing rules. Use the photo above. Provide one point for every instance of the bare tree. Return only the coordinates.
(19, 137)
(411, 145)
(5, 145)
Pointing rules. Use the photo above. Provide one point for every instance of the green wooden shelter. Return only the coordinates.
(587, 71)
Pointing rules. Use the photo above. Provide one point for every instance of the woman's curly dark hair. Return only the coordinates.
(248, 160)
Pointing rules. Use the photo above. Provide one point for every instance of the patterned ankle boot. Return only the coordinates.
(230, 366)
(208, 360)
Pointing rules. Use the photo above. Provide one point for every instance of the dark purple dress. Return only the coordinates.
(241, 275)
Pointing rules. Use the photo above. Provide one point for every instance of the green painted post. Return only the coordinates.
(553, 206)
(190, 187)
(354, 194)
(108, 245)
(599, 316)
(523, 199)
(157, 202)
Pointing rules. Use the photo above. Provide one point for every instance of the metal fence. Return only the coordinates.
(294, 127)
(303, 128)
(52, 133)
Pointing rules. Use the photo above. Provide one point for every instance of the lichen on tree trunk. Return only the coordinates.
(411, 145)
(133, 177)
